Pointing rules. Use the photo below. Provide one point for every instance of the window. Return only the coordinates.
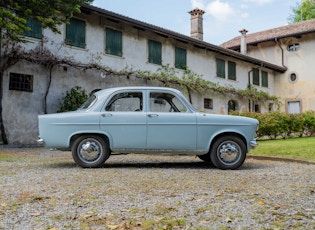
(293, 47)
(75, 33)
(264, 79)
(113, 42)
(165, 102)
(293, 77)
(256, 80)
(180, 58)
(35, 29)
(125, 102)
(220, 68)
(208, 103)
(231, 70)
(232, 106)
(257, 108)
(294, 107)
(21, 82)
(155, 52)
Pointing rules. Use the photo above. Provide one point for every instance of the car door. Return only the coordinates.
(123, 119)
(171, 126)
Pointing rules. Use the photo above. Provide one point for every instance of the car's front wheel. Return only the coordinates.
(228, 152)
(90, 151)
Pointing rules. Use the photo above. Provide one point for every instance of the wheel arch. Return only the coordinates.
(228, 134)
(102, 135)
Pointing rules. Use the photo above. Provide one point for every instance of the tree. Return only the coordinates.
(13, 21)
(303, 11)
(51, 13)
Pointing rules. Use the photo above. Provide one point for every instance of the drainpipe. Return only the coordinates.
(282, 52)
(249, 86)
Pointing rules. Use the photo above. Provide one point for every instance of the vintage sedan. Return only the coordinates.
(147, 120)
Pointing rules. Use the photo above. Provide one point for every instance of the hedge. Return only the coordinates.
(282, 125)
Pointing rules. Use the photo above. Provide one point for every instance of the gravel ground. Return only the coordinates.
(43, 189)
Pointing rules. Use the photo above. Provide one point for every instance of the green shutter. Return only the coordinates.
(113, 42)
(264, 79)
(256, 76)
(75, 33)
(35, 29)
(180, 58)
(231, 70)
(155, 52)
(220, 68)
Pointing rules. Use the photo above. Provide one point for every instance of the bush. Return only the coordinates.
(276, 124)
(73, 99)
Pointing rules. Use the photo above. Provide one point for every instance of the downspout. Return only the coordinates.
(282, 52)
(2, 128)
(249, 87)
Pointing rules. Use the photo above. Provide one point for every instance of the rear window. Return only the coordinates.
(88, 104)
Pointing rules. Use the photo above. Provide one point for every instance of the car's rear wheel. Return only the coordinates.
(90, 151)
(228, 152)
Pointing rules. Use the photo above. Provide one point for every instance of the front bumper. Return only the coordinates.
(253, 144)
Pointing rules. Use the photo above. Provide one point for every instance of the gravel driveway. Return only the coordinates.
(43, 189)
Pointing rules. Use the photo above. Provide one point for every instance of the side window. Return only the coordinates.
(125, 102)
(165, 102)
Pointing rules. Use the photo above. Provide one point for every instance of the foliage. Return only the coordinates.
(14, 14)
(303, 11)
(277, 124)
(73, 99)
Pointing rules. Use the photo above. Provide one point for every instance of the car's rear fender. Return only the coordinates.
(100, 134)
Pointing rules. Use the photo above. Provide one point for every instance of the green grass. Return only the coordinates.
(295, 148)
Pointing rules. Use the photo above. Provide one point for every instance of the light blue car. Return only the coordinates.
(147, 120)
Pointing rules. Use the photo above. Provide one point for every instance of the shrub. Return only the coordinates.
(276, 124)
(73, 99)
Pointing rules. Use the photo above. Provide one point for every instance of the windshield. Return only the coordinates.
(89, 102)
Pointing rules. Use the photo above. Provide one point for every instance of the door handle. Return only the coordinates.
(107, 115)
(153, 115)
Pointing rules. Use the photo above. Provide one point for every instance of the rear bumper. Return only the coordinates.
(253, 144)
(40, 141)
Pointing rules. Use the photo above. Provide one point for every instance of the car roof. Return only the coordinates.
(110, 90)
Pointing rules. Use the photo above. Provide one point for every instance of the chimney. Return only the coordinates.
(243, 41)
(196, 25)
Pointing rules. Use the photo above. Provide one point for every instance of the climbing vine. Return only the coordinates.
(167, 75)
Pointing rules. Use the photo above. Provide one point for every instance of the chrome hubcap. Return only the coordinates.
(229, 152)
(90, 150)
